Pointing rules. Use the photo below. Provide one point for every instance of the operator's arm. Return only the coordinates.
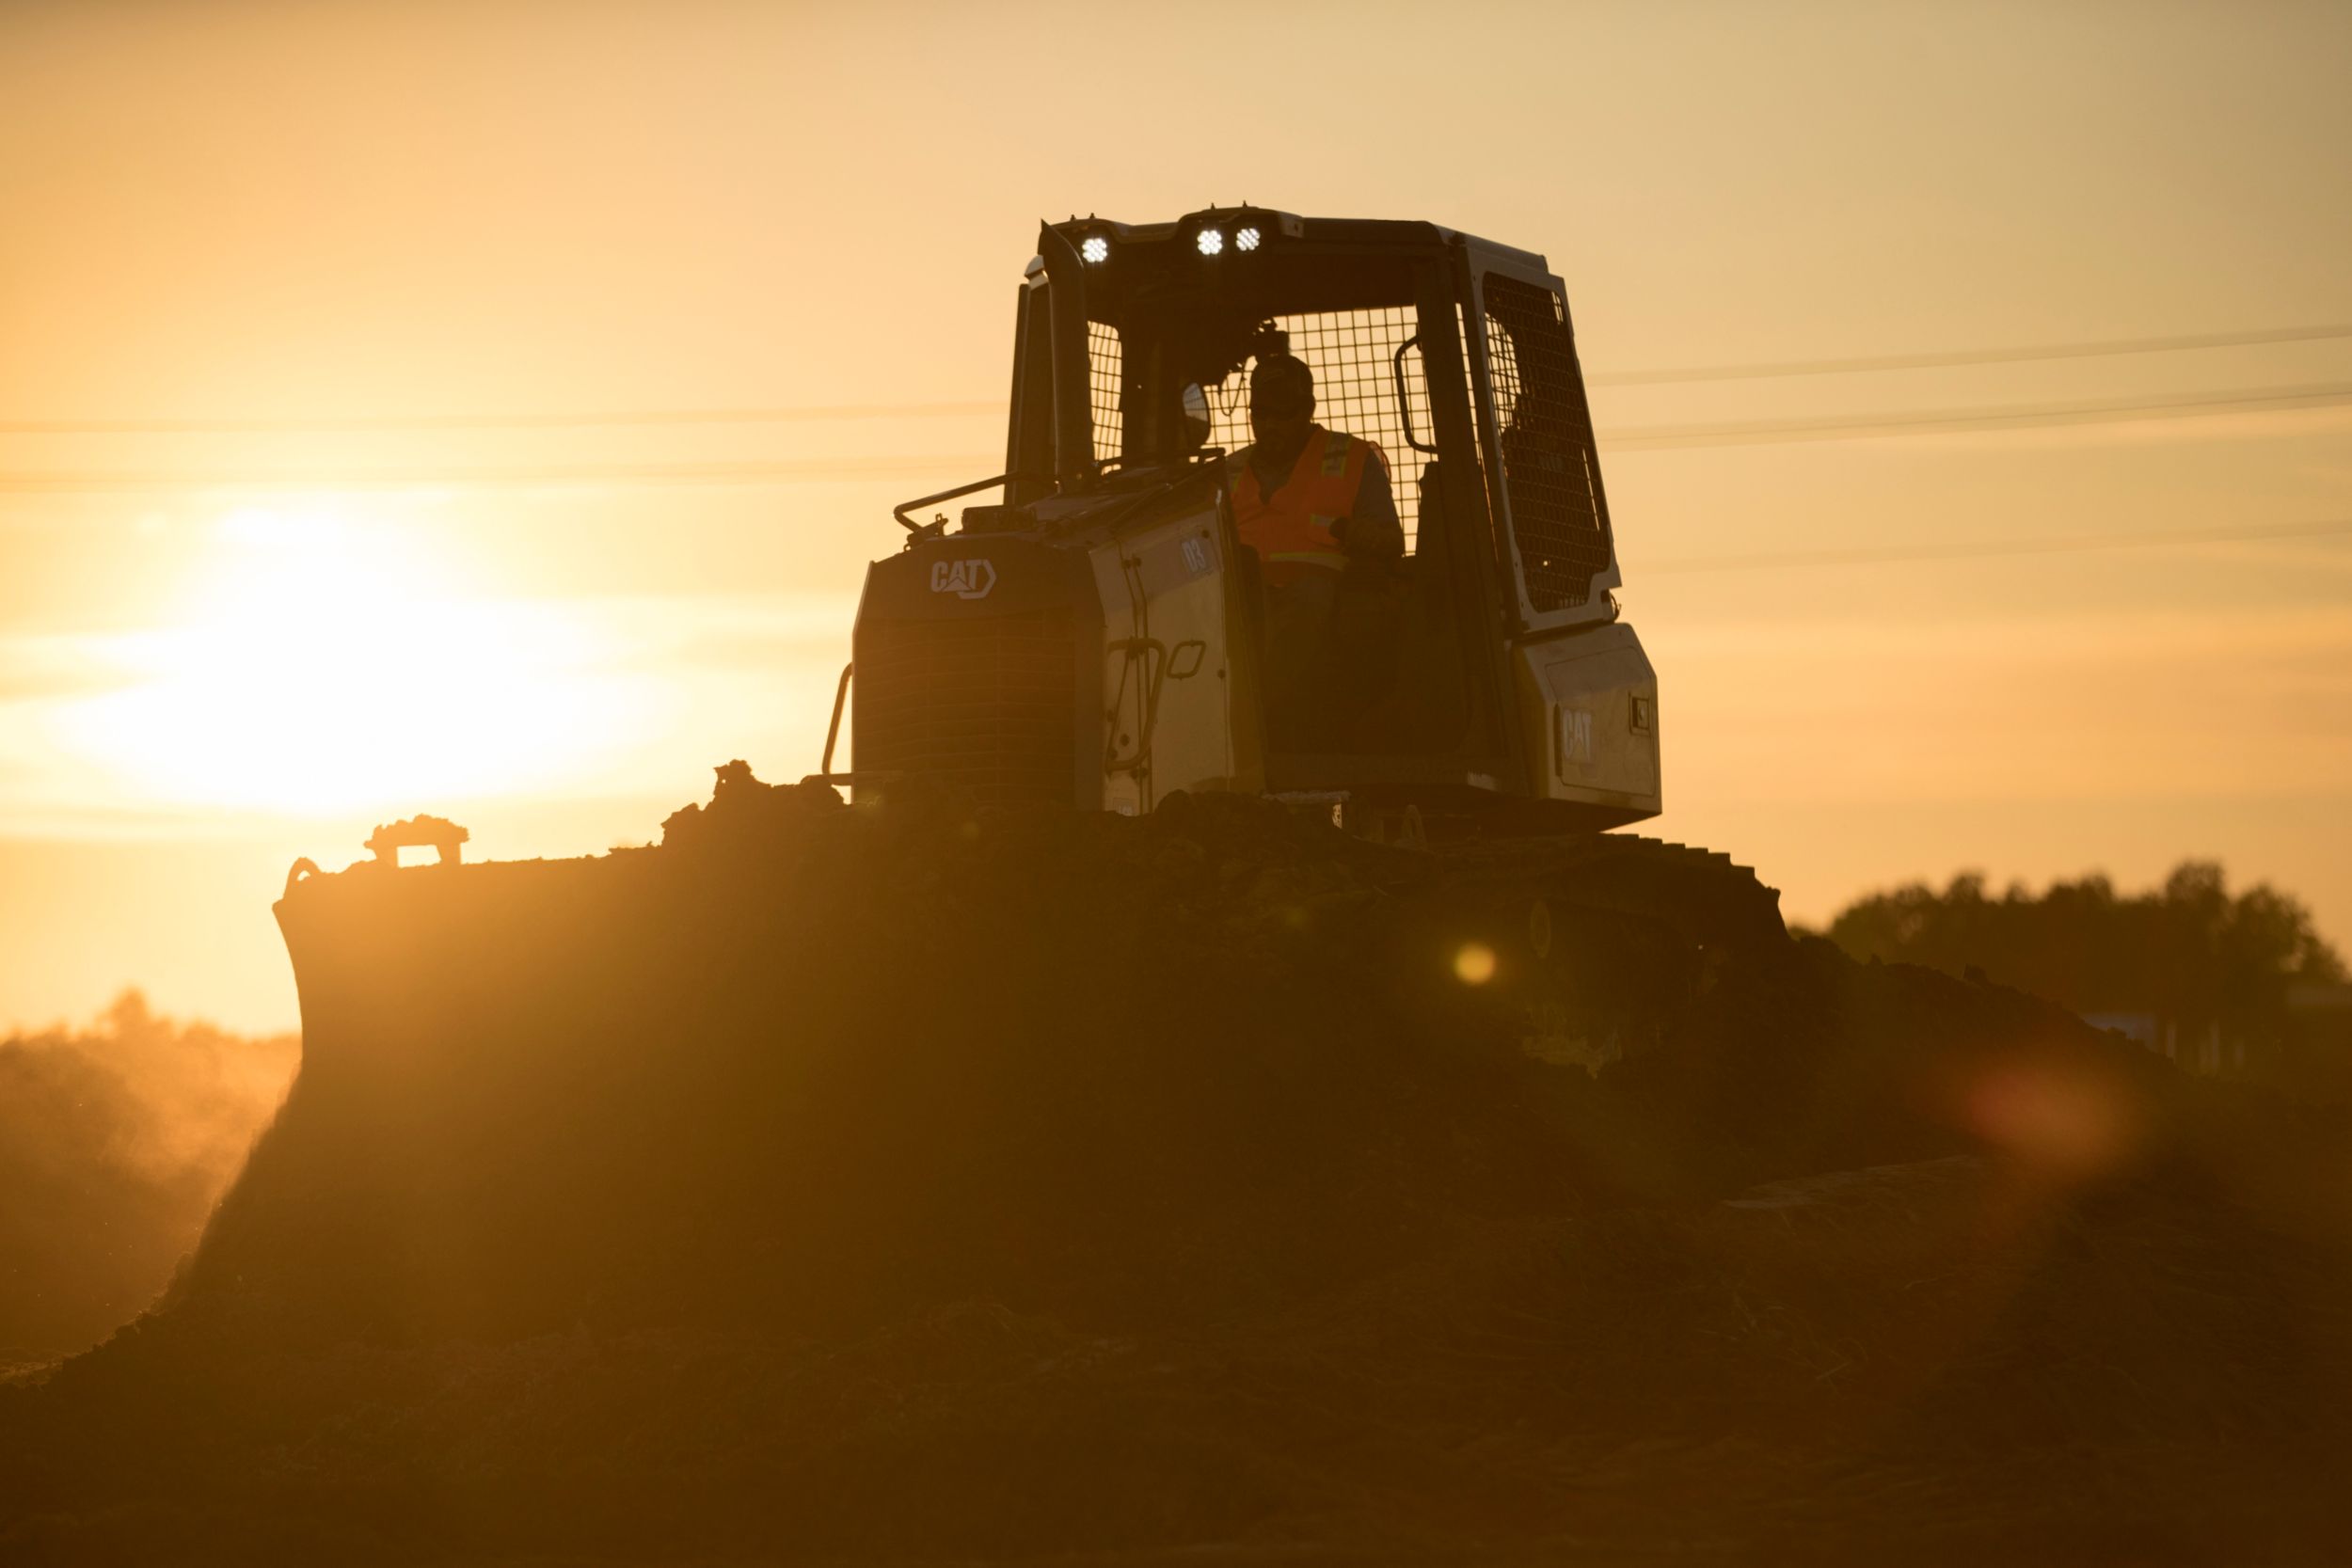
(1371, 532)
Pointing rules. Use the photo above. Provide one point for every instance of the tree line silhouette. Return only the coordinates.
(2207, 963)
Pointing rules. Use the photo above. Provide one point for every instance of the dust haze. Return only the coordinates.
(115, 1139)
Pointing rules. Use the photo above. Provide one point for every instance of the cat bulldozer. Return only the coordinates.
(1087, 641)
(1095, 637)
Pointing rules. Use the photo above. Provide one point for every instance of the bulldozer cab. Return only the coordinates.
(1129, 403)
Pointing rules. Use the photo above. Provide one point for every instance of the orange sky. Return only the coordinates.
(296, 226)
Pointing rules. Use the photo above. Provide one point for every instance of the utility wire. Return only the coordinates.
(1932, 422)
(815, 470)
(2063, 545)
(1859, 556)
(814, 413)
(809, 413)
(1769, 370)
(826, 470)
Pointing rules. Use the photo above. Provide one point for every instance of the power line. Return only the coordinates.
(809, 413)
(1768, 369)
(825, 471)
(818, 413)
(1947, 420)
(2064, 545)
(817, 471)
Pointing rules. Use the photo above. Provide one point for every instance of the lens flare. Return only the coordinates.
(1474, 963)
(2062, 1119)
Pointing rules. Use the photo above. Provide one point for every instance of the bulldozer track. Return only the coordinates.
(1601, 940)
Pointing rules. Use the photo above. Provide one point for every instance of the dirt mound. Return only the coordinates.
(1931, 1362)
(933, 1182)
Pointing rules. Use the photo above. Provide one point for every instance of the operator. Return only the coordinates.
(1316, 506)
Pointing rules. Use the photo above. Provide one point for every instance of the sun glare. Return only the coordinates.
(327, 661)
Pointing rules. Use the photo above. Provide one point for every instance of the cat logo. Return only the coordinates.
(970, 579)
(1573, 737)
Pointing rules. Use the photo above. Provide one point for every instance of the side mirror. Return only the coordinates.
(1196, 415)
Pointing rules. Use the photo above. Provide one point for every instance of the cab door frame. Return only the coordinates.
(1485, 260)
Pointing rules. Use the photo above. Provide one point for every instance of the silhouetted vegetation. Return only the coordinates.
(2188, 953)
(115, 1143)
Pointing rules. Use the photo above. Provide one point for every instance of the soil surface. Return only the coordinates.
(924, 1185)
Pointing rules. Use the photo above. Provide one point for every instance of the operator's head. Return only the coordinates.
(1281, 402)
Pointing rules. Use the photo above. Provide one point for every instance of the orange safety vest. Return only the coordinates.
(1291, 532)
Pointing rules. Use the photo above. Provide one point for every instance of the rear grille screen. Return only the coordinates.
(1550, 477)
(988, 704)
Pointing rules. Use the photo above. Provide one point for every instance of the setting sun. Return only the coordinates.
(326, 661)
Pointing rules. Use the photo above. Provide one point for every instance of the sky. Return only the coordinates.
(302, 307)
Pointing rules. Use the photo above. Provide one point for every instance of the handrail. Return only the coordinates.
(1206, 458)
(833, 730)
(902, 510)
(1405, 403)
(1153, 653)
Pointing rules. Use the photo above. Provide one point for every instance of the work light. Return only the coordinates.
(1246, 239)
(1095, 248)
(1210, 241)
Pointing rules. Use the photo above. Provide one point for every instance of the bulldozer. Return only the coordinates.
(1096, 638)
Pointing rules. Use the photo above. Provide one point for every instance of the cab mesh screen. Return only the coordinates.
(1104, 356)
(1550, 477)
(1353, 355)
